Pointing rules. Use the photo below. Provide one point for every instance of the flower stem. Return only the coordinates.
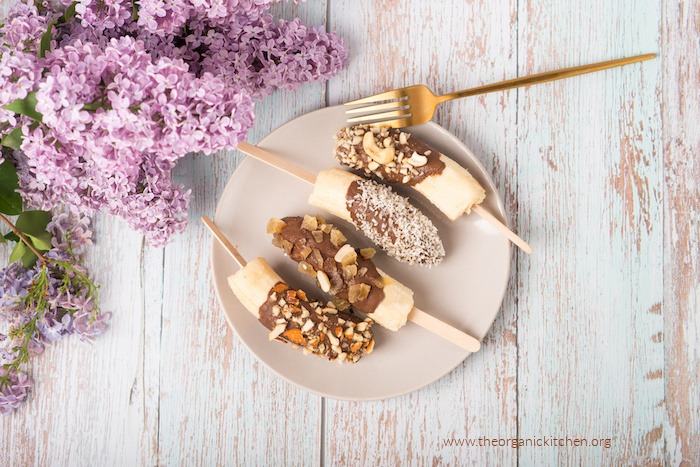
(23, 238)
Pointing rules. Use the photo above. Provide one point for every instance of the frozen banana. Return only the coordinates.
(385, 217)
(292, 317)
(396, 156)
(322, 252)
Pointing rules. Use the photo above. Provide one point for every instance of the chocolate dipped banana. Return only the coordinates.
(322, 252)
(396, 156)
(291, 316)
(385, 217)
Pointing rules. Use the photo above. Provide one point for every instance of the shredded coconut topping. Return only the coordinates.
(394, 224)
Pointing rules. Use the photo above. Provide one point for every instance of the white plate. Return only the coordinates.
(465, 290)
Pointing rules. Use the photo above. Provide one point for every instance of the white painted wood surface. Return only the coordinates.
(599, 331)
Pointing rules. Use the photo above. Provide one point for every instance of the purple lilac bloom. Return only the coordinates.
(124, 98)
(70, 306)
(15, 391)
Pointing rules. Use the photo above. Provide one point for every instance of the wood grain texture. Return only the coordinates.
(591, 197)
(94, 403)
(218, 405)
(681, 142)
(478, 398)
(598, 336)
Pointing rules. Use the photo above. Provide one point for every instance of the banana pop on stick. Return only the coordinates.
(385, 217)
(291, 316)
(398, 157)
(322, 251)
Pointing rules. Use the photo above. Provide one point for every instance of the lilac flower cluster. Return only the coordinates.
(42, 304)
(128, 89)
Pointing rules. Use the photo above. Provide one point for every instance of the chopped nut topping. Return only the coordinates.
(305, 252)
(337, 238)
(368, 253)
(350, 271)
(340, 304)
(309, 223)
(318, 235)
(358, 292)
(306, 268)
(275, 226)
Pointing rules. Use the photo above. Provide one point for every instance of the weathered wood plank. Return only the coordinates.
(218, 405)
(681, 142)
(94, 403)
(448, 46)
(590, 192)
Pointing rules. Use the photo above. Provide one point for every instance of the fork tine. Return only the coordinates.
(376, 118)
(372, 109)
(384, 96)
(400, 123)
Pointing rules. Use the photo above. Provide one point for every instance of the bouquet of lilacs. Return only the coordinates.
(99, 99)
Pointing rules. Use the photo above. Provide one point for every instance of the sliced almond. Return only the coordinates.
(323, 281)
(277, 331)
(307, 326)
(345, 253)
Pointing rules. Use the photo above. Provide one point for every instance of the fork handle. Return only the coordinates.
(544, 77)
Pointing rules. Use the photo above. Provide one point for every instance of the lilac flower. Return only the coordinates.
(14, 391)
(42, 304)
(124, 98)
(103, 14)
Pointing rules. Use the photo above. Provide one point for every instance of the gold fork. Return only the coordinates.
(414, 105)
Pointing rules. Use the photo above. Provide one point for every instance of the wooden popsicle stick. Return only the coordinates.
(224, 241)
(277, 162)
(304, 175)
(417, 316)
(444, 330)
(512, 236)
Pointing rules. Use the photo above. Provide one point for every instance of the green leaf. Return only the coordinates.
(45, 42)
(134, 10)
(42, 243)
(93, 105)
(70, 12)
(19, 251)
(11, 237)
(24, 254)
(29, 258)
(26, 106)
(10, 200)
(13, 139)
(33, 222)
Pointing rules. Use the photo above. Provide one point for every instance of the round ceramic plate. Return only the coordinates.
(465, 290)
